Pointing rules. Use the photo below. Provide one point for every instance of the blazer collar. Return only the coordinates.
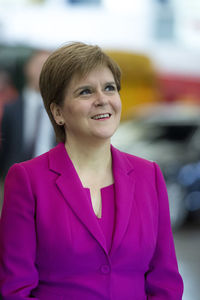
(60, 163)
(124, 177)
(74, 194)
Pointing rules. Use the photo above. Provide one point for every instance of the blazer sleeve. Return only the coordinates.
(18, 274)
(163, 280)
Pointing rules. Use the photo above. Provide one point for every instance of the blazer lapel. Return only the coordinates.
(124, 188)
(73, 192)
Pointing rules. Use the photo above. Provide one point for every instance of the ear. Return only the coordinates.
(57, 113)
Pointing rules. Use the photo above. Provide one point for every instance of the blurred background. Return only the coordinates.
(157, 45)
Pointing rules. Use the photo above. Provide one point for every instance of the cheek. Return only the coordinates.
(118, 105)
(69, 112)
(74, 113)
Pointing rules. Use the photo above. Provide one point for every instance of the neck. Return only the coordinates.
(93, 163)
(89, 156)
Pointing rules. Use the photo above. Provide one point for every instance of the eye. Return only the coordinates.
(85, 92)
(110, 88)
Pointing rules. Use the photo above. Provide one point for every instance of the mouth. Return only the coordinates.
(101, 116)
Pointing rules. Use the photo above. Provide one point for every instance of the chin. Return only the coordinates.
(104, 135)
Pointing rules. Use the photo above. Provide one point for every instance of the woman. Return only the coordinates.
(84, 220)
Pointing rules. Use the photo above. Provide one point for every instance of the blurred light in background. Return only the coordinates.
(50, 23)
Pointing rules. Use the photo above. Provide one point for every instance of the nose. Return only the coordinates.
(101, 99)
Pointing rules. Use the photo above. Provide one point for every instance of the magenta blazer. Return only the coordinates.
(51, 245)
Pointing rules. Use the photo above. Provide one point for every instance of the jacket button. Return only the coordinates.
(105, 269)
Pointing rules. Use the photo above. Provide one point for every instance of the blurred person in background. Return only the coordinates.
(25, 128)
(85, 220)
(8, 92)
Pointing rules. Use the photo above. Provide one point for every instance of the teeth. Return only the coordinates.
(101, 116)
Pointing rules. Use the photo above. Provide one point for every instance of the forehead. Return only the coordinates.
(100, 73)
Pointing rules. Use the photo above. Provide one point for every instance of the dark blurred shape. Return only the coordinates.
(12, 59)
(189, 177)
(7, 90)
(26, 129)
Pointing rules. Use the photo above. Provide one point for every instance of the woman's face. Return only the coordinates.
(91, 107)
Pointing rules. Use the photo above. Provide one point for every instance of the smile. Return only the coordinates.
(102, 116)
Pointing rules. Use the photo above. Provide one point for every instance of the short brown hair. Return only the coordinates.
(62, 65)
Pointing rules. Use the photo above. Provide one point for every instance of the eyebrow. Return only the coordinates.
(89, 86)
(83, 87)
(110, 82)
